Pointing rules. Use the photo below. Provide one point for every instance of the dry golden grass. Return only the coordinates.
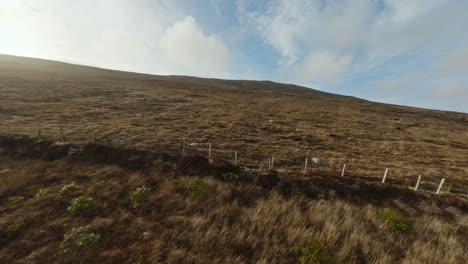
(227, 222)
(257, 119)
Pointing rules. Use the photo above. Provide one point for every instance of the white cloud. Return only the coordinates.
(188, 49)
(281, 24)
(322, 67)
(408, 50)
(372, 31)
(296, 27)
(344, 25)
(442, 83)
(401, 11)
(136, 35)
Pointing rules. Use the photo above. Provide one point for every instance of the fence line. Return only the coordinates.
(185, 149)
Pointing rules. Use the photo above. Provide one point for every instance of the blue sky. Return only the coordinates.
(409, 52)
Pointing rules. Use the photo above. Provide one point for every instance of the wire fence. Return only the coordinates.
(306, 165)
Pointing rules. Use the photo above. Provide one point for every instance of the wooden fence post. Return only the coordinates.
(417, 183)
(39, 134)
(343, 171)
(235, 158)
(62, 137)
(305, 165)
(272, 162)
(209, 151)
(385, 175)
(440, 186)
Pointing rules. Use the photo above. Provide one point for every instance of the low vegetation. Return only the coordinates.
(197, 187)
(395, 220)
(80, 238)
(16, 199)
(12, 229)
(43, 192)
(69, 187)
(312, 251)
(238, 177)
(139, 195)
(80, 205)
(196, 216)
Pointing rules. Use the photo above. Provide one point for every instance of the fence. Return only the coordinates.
(308, 166)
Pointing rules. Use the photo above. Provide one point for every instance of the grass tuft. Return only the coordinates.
(69, 187)
(80, 205)
(197, 187)
(312, 251)
(16, 199)
(80, 238)
(395, 220)
(12, 229)
(139, 195)
(42, 192)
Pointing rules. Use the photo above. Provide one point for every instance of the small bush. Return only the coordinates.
(197, 187)
(312, 251)
(16, 199)
(79, 239)
(12, 229)
(395, 220)
(80, 205)
(68, 187)
(139, 195)
(43, 192)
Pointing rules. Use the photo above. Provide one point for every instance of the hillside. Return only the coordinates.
(257, 119)
(122, 131)
(191, 211)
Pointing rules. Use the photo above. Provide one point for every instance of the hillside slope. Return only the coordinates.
(115, 205)
(94, 169)
(258, 119)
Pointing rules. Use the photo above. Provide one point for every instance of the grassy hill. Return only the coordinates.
(133, 197)
(257, 119)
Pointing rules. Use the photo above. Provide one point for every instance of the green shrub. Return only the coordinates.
(395, 220)
(80, 205)
(80, 238)
(43, 192)
(197, 187)
(139, 195)
(68, 187)
(16, 199)
(12, 229)
(312, 251)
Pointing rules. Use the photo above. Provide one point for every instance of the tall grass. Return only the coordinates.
(203, 220)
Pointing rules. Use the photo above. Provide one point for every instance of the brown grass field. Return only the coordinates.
(201, 210)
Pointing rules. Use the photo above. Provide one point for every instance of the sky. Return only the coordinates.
(406, 52)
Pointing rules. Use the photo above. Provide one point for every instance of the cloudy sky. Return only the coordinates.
(409, 52)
